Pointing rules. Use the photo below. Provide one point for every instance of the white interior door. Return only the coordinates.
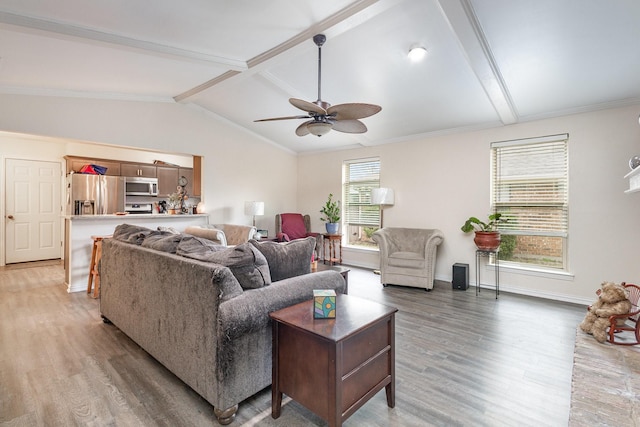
(32, 210)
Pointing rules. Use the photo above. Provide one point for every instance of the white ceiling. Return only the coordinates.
(489, 62)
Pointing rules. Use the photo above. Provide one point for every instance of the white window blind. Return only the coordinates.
(530, 185)
(359, 177)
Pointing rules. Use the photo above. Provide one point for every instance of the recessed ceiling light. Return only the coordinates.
(417, 53)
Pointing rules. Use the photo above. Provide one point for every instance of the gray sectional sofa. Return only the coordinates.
(201, 309)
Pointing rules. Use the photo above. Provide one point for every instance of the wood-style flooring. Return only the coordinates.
(461, 360)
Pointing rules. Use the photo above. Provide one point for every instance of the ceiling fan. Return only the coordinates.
(322, 116)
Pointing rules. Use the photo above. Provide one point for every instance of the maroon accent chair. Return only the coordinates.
(631, 320)
(291, 226)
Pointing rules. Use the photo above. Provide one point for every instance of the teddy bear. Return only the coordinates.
(612, 299)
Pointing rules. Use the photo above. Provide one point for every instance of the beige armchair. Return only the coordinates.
(224, 234)
(408, 255)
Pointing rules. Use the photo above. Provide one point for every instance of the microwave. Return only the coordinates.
(138, 186)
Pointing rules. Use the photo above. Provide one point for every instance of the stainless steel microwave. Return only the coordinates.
(138, 186)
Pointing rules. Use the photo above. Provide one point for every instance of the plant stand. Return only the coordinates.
(482, 253)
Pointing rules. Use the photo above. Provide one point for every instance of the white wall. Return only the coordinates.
(440, 181)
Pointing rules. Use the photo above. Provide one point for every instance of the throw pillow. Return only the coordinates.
(287, 259)
(246, 263)
(162, 241)
(131, 233)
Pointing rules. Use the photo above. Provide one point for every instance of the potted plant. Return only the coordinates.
(487, 236)
(331, 215)
(176, 201)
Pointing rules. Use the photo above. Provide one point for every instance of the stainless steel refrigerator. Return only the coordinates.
(94, 194)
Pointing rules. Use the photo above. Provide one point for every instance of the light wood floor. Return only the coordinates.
(461, 360)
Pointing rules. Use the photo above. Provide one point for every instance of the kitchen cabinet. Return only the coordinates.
(74, 164)
(188, 173)
(132, 169)
(168, 180)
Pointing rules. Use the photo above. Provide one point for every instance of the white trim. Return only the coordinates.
(535, 140)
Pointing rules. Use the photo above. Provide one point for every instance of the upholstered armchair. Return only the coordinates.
(408, 255)
(291, 226)
(223, 234)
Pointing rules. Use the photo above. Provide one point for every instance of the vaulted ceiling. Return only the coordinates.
(489, 62)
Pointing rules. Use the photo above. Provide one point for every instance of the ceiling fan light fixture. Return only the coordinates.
(319, 128)
(417, 53)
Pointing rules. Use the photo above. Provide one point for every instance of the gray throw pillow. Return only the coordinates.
(288, 259)
(131, 233)
(162, 241)
(246, 263)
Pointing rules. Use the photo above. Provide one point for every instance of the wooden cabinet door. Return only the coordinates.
(167, 180)
(132, 169)
(188, 173)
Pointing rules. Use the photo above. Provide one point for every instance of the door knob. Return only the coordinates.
(10, 216)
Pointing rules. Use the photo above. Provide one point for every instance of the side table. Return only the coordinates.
(345, 361)
(335, 242)
(344, 271)
(484, 253)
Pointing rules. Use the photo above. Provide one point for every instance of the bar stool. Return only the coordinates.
(94, 275)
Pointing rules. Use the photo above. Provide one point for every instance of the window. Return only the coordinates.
(360, 218)
(530, 188)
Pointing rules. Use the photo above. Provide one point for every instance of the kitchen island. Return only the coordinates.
(80, 228)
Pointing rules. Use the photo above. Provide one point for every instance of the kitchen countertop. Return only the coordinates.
(138, 216)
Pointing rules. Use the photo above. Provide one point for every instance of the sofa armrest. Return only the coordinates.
(250, 311)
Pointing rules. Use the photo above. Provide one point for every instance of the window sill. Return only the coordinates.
(533, 271)
(360, 248)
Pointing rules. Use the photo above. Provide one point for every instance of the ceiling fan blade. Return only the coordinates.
(349, 126)
(302, 129)
(353, 111)
(307, 106)
(282, 118)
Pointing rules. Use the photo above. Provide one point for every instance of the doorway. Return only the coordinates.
(32, 210)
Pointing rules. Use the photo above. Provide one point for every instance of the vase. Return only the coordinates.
(487, 240)
(332, 227)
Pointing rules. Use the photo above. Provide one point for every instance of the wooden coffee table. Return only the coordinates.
(333, 366)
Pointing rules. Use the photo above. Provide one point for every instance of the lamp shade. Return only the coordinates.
(382, 196)
(319, 128)
(253, 208)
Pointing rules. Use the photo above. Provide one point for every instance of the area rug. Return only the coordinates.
(605, 386)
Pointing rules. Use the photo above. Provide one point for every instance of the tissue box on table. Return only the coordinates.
(324, 304)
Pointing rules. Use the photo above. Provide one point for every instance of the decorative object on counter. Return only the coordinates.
(382, 197)
(331, 215)
(176, 201)
(487, 234)
(162, 206)
(253, 208)
(201, 208)
(634, 162)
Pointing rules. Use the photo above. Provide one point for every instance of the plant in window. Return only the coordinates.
(331, 215)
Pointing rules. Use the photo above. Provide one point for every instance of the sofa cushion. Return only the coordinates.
(196, 246)
(164, 241)
(287, 259)
(131, 233)
(407, 260)
(209, 233)
(293, 225)
(246, 263)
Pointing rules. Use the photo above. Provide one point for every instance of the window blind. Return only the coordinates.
(530, 185)
(359, 177)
